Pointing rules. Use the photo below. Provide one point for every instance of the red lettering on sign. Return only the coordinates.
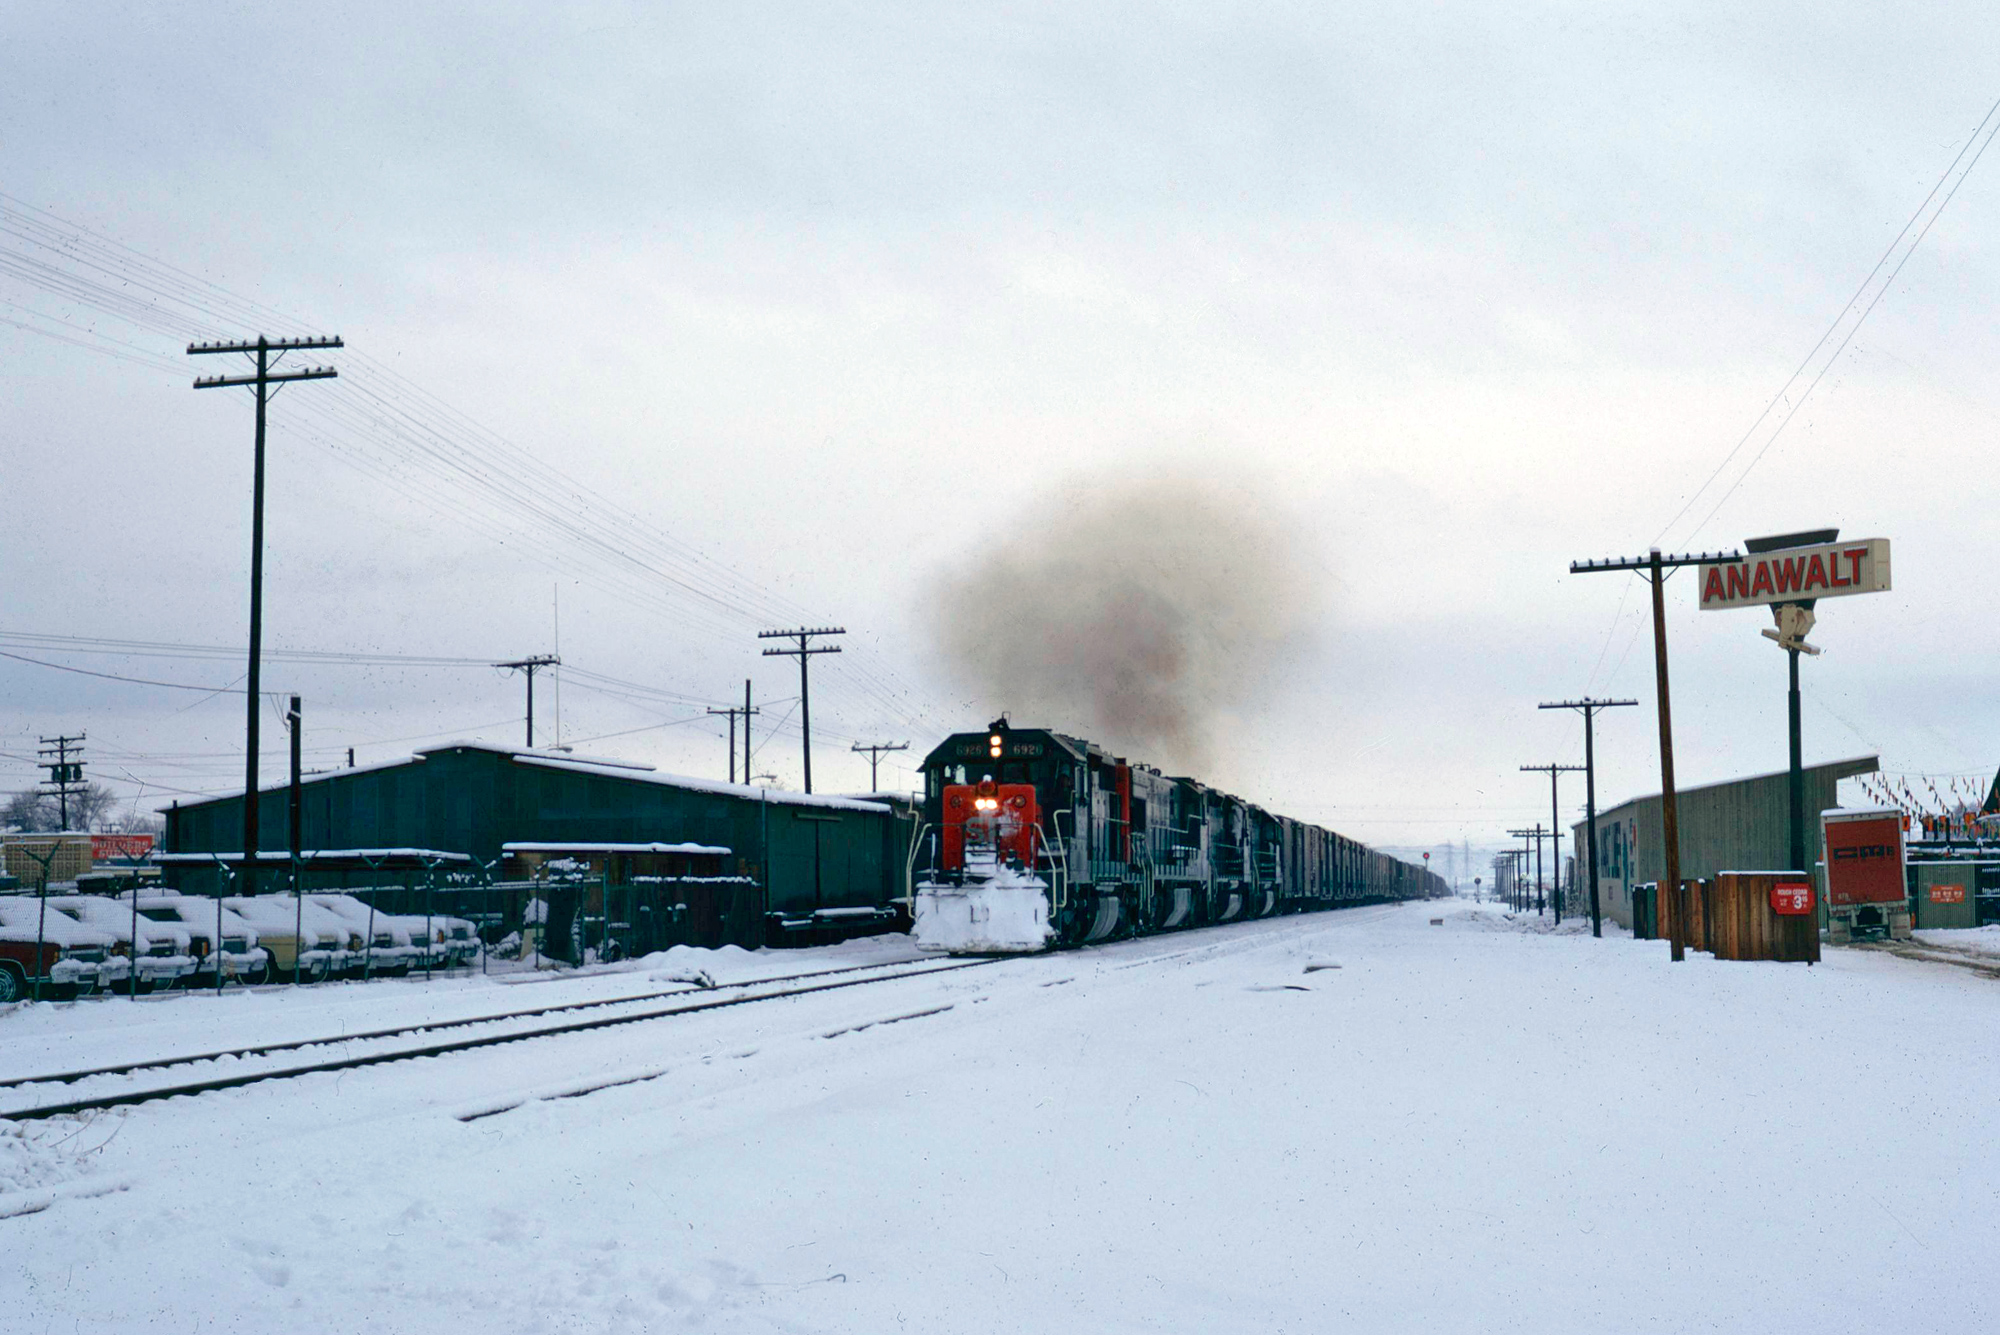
(1761, 584)
(1711, 587)
(1833, 569)
(1854, 555)
(1815, 574)
(1788, 575)
(1739, 581)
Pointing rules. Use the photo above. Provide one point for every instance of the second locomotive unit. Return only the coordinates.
(1031, 838)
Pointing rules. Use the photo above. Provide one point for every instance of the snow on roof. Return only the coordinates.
(1872, 764)
(1839, 813)
(605, 765)
(611, 762)
(613, 848)
(304, 779)
(315, 855)
(772, 795)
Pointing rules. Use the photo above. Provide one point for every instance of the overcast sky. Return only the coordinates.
(822, 301)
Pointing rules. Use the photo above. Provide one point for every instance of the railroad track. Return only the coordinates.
(743, 993)
(768, 989)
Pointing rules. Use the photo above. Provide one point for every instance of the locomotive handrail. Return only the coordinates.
(1058, 856)
(910, 867)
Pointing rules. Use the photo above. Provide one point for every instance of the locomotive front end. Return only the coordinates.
(982, 895)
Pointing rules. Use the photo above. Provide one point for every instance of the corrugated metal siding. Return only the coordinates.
(1743, 825)
(473, 801)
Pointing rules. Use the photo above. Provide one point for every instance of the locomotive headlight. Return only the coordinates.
(986, 803)
(993, 745)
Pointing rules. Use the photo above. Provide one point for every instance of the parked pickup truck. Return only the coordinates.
(301, 935)
(240, 957)
(72, 955)
(383, 943)
(160, 955)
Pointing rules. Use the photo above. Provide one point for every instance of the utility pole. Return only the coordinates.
(1589, 708)
(529, 667)
(265, 383)
(1656, 565)
(65, 773)
(804, 652)
(295, 722)
(875, 751)
(746, 712)
(1536, 835)
(1555, 824)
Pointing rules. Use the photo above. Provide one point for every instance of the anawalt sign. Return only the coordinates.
(1831, 570)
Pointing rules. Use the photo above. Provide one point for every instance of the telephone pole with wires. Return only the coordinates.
(875, 751)
(803, 651)
(1656, 565)
(264, 383)
(65, 773)
(1589, 707)
(1555, 824)
(1535, 837)
(746, 711)
(530, 666)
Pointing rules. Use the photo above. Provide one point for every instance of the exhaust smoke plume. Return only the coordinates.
(1143, 614)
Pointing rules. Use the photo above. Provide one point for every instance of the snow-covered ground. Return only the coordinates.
(1356, 1121)
(1971, 940)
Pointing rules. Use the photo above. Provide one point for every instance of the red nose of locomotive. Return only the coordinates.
(988, 818)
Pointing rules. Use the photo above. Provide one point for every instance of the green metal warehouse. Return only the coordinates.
(1734, 825)
(802, 854)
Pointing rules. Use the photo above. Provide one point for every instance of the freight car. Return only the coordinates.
(1030, 837)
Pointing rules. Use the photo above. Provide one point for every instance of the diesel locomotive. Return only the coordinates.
(1031, 838)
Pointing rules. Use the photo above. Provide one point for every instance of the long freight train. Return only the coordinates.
(1031, 838)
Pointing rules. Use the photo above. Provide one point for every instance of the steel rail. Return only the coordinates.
(418, 1027)
(128, 1098)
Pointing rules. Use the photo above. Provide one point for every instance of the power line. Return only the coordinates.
(394, 423)
(1837, 320)
(112, 676)
(803, 650)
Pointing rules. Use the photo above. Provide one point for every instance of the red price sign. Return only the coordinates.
(1791, 898)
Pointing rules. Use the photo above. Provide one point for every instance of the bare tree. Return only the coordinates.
(29, 811)
(34, 812)
(90, 805)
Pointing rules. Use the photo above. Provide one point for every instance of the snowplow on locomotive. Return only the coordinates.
(1031, 838)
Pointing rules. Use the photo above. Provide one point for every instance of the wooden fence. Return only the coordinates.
(1731, 918)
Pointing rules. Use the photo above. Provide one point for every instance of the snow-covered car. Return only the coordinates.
(240, 957)
(300, 934)
(72, 955)
(451, 941)
(461, 941)
(160, 953)
(382, 946)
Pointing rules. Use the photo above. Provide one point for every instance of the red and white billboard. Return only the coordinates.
(1864, 856)
(1791, 574)
(113, 847)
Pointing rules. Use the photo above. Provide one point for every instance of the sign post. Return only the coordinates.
(1790, 573)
